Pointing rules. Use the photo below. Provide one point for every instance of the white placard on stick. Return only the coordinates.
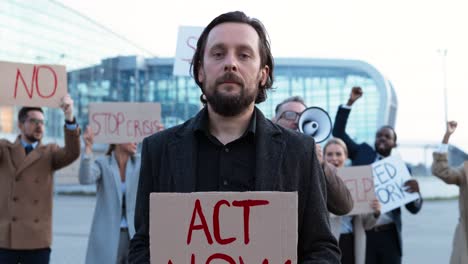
(32, 84)
(186, 45)
(359, 181)
(390, 174)
(123, 122)
(223, 227)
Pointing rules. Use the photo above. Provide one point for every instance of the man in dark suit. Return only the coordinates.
(384, 243)
(230, 146)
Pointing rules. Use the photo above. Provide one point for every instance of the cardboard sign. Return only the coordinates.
(123, 122)
(186, 45)
(389, 176)
(228, 227)
(32, 84)
(360, 183)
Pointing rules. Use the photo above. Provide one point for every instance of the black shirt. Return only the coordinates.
(229, 167)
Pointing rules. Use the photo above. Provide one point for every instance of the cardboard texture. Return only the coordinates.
(389, 176)
(186, 44)
(360, 182)
(123, 122)
(32, 84)
(221, 229)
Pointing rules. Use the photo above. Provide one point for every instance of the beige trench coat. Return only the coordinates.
(26, 186)
(457, 176)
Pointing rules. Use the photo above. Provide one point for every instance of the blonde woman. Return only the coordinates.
(349, 230)
(457, 176)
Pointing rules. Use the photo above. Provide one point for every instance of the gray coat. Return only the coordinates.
(105, 230)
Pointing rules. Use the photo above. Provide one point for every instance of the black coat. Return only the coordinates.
(285, 161)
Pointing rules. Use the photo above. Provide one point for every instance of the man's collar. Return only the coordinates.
(202, 124)
(24, 143)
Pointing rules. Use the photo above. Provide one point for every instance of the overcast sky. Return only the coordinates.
(399, 37)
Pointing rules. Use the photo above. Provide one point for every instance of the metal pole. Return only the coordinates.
(443, 53)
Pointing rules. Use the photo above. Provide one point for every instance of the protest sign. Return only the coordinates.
(186, 45)
(228, 227)
(360, 183)
(123, 122)
(390, 174)
(32, 84)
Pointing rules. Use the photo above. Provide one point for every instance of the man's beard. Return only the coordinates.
(229, 105)
(31, 138)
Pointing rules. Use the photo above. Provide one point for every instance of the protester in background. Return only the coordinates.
(339, 200)
(457, 176)
(229, 146)
(116, 177)
(26, 185)
(350, 230)
(384, 243)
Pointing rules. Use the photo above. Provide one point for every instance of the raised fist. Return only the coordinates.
(356, 93)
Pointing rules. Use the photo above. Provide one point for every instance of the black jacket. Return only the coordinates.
(286, 161)
(364, 154)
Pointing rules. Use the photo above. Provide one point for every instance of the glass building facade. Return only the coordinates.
(47, 32)
(325, 83)
(103, 66)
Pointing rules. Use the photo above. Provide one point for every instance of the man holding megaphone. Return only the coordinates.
(287, 114)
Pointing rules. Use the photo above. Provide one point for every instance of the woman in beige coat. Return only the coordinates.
(349, 230)
(441, 169)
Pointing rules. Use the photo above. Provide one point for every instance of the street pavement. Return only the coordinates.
(427, 236)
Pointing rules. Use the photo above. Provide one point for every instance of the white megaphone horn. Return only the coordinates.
(315, 122)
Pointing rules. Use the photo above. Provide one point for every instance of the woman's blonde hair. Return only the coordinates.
(338, 142)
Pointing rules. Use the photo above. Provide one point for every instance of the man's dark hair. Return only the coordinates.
(296, 99)
(392, 129)
(23, 113)
(264, 47)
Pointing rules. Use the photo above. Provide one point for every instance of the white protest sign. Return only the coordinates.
(186, 45)
(389, 176)
(32, 84)
(123, 122)
(360, 183)
(228, 227)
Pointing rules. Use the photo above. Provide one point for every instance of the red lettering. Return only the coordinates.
(36, 76)
(190, 45)
(197, 210)
(147, 128)
(247, 204)
(136, 126)
(93, 117)
(225, 257)
(118, 120)
(19, 76)
(216, 229)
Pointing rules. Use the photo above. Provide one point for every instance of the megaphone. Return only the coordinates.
(315, 122)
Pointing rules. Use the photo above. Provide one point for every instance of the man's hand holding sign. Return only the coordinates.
(393, 184)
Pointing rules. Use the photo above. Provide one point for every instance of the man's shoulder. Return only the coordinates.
(296, 139)
(5, 142)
